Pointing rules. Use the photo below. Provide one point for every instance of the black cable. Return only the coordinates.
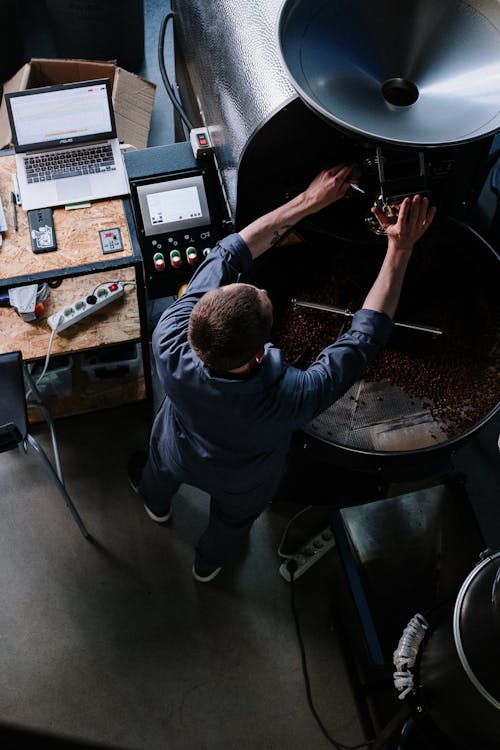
(292, 567)
(163, 71)
(405, 734)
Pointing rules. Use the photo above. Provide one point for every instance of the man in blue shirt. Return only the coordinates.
(232, 402)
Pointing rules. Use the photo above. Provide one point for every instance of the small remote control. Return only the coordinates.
(42, 232)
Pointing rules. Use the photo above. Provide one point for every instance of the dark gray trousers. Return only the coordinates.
(231, 516)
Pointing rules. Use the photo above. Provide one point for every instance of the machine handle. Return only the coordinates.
(340, 311)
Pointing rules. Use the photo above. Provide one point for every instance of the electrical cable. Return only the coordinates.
(54, 331)
(47, 359)
(280, 553)
(164, 74)
(292, 567)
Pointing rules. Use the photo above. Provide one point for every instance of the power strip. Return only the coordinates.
(85, 306)
(310, 553)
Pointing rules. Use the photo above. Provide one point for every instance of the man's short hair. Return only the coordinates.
(228, 326)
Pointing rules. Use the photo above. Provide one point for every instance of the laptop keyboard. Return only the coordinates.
(72, 163)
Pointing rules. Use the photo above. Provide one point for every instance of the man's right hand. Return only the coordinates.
(329, 186)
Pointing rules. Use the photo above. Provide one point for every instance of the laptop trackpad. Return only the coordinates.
(74, 189)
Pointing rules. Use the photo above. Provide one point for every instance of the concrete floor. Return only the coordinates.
(111, 641)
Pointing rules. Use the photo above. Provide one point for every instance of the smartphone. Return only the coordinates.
(42, 232)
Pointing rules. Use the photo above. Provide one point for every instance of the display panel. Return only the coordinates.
(61, 114)
(173, 205)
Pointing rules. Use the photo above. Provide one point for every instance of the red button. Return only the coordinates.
(113, 287)
(192, 256)
(175, 258)
(160, 264)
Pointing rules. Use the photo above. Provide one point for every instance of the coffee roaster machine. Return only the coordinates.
(410, 92)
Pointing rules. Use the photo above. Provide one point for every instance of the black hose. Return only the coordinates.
(164, 75)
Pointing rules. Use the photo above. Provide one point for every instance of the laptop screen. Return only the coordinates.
(61, 114)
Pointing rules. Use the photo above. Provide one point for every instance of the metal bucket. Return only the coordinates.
(458, 677)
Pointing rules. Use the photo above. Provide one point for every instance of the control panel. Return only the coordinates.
(177, 215)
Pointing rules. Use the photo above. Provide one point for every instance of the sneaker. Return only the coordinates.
(134, 472)
(158, 519)
(204, 573)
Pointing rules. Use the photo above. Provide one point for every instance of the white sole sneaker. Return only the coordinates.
(158, 519)
(205, 579)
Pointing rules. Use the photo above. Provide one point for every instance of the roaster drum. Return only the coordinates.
(425, 394)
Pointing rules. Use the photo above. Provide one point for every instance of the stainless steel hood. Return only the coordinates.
(281, 86)
(227, 54)
(417, 72)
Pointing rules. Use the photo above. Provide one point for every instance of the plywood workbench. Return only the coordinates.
(79, 265)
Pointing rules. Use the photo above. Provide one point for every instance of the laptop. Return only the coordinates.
(66, 147)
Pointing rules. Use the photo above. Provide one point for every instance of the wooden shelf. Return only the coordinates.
(114, 324)
(80, 265)
(88, 395)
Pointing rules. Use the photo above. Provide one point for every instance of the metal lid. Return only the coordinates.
(415, 72)
(476, 627)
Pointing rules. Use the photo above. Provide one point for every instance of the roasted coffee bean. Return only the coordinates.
(456, 376)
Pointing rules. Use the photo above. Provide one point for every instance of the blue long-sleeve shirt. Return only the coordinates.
(233, 435)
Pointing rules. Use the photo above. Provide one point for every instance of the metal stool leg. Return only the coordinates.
(356, 586)
(62, 489)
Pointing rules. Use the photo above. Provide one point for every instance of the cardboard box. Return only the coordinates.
(133, 96)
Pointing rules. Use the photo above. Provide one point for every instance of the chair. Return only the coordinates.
(14, 425)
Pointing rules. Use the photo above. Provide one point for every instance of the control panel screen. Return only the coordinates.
(173, 204)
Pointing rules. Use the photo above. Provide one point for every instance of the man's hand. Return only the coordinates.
(414, 218)
(329, 186)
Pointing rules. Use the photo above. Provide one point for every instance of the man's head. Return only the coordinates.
(229, 326)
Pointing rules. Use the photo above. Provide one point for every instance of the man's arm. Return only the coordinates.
(327, 187)
(414, 218)
(339, 365)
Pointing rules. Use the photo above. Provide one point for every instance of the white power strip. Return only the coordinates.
(85, 306)
(310, 553)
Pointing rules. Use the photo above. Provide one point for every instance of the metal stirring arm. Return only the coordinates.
(340, 311)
